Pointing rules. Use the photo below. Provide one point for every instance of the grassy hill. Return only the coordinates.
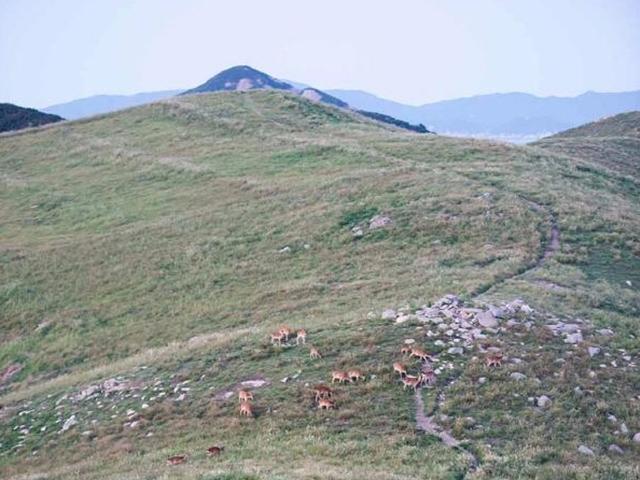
(613, 142)
(156, 248)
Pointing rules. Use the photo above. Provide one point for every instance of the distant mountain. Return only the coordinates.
(13, 117)
(500, 114)
(622, 125)
(86, 107)
(240, 78)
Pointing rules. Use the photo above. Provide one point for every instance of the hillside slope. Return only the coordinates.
(613, 142)
(147, 255)
(13, 117)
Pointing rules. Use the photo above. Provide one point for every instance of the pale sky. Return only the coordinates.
(415, 52)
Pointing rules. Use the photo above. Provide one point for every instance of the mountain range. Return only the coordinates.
(13, 117)
(511, 116)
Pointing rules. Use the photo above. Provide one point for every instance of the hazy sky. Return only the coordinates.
(53, 51)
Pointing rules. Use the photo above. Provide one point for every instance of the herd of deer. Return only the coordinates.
(324, 396)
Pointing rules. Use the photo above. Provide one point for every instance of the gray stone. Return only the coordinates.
(593, 351)
(456, 351)
(612, 418)
(613, 448)
(379, 221)
(543, 401)
(482, 380)
(605, 332)
(573, 338)
(585, 450)
(357, 232)
(518, 376)
(636, 437)
(487, 320)
(286, 249)
(624, 429)
(71, 421)
(389, 314)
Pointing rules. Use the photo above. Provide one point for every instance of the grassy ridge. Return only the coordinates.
(164, 223)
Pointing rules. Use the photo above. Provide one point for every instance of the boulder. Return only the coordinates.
(613, 448)
(518, 376)
(573, 338)
(543, 401)
(456, 351)
(593, 351)
(389, 314)
(71, 421)
(636, 437)
(585, 450)
(487, 320)
(379, 221)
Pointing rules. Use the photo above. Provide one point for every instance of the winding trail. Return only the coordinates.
(429, 426)
(549, 248)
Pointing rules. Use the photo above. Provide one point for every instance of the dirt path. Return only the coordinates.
(429, 426)
(551, 246)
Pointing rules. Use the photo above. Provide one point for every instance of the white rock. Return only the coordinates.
(456, 351)
(357, 232)
(71, 421)
(585, 450)
(593, 351)
(518, 376)
(624, 429)
(438, 343)
(612, 418)
(573, 338)
(286, 249)
(613, 448)
(636, 437)
(482, 380)
(487, 320)
(409, 341)
(389, 314)
(543, 401)
(379, 221)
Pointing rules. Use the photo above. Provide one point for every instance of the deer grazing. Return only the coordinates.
(421, 354)
(340, 377)
(315, 353)
(406, 350)
(400, 369)
(322, 391)
(277, 338)
(245, 395)
(326, 404)
(301, 336)
(286, 332)
(355, 375)
(246, 409)
(215, 450)
(412, 382)
(176, 460)
(494, 359)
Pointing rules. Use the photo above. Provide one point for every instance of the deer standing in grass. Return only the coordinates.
(400, 369)
(340, 377)
(322, 391)
(326, 404)
(356, 374)
(301, 336)
(246, 409)
(245, 395)
(412, 382)
(421, 354)
(315, 353)
(494, 359)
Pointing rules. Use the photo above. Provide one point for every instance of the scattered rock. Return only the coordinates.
(518, 376)
(613, 448)
(605, 332)
(636, 437)
(389, 314)
(486, 319)
(286, 249)
(357, 232)
(85, 393)
(379, 221)
(573, 338)
(543, 401)
(409, 341)
(624, 430)
(593, 351)
(585, 450)
(482, 380)
(612, 418)
(71, 421)
(456, 351)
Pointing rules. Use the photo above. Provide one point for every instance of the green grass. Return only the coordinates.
(152, 237)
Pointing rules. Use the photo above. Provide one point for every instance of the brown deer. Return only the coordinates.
(421, 354)
(400, 368)
(246, 409)
(286, 332)
(406, 350)
(176, 459)
(315, 353)
(215, 450)
(301, 336)
(245, 395)
(340, 377)
(326, 404)
(356, 374)
(322, 391)
(412, 382)
(428, 378)
(494, 359)
(277, 338)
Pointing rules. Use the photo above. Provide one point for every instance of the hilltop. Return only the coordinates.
(612, 142)
(13, 117)
(148, 254)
